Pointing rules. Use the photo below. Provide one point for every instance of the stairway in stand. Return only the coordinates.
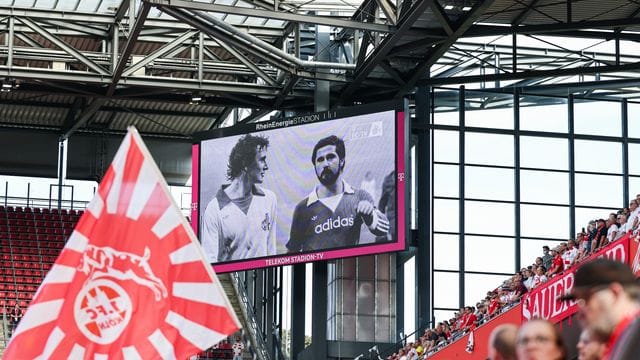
(227, 284)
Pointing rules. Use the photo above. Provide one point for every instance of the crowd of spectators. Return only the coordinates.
(553, 262)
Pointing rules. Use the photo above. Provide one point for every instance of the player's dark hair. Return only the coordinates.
(244, 153)
(329, 140)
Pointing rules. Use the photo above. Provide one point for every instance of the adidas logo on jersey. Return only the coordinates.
(332, 223)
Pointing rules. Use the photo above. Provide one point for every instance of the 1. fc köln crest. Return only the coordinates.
(131, 282)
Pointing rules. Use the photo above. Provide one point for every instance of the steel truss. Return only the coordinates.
(260, 54)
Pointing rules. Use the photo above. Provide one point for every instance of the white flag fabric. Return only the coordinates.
(470, 343)
(131, 281)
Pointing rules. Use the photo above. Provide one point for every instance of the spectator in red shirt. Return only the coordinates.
(557, 264)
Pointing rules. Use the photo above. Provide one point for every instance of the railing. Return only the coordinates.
(251, 317)
(42, 203)
(542, 302)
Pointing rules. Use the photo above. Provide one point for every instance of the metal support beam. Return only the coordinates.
(248, 63)
(122, 11)
(523, 15)
(87, 30)
(389, 10)
(166, 48)
(298, 314)
(439, 50)
(255, 115)
(424, 267)
(442, 17)
(63, 45)
(10, 37)
(128, 47)
(220, 118)
(268, 14)
(78, 103)
(87, 114)
(533, 74)
(379, 53)
(286, 90)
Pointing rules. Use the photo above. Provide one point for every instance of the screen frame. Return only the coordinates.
(402, 188)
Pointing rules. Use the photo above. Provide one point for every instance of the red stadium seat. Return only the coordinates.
(45, 210)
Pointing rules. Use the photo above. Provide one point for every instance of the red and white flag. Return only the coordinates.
(131, 282)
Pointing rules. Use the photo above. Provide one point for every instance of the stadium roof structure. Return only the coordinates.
(175, 67)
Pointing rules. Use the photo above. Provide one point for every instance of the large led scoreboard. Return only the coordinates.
(259, 194)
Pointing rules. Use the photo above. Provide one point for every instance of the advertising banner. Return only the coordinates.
(542, 302)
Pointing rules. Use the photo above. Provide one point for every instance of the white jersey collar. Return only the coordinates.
(313, 195)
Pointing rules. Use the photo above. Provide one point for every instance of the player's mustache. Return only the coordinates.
(326, 172)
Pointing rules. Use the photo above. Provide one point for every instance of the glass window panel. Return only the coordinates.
(489, 254)
(446, 117)
(488, 218)
(349, 268)
(544, 153)
(634, 159)
(598, 118)
(348, 327)
(445, 252)
(382, 297)
(496, 118)
(488, 149)
(488, 183)
(530, 249)
(366, 297)
(598, 156)
(584, 215)
(446, 215)
(446, 146)
(445, 293)
(348, 296)
(544, 221)
(477, 285)
(633, 113)
(536, 116)
(446, 107)
(544, 187)
(383, 266)
(442, 315)
(383, 327)
(366, 267)
(634, 188)
(409, 303)
(599, 190)
(445, 180)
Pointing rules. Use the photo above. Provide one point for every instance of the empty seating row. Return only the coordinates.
(32, 242)
(17, 295)
(11, 287)
(5, 305)
(28, 235)
(31, 272)
(25, 260)
(33, 251)
(19, 209)
(17, 225)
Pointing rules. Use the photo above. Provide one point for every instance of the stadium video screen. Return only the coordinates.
(315, 187)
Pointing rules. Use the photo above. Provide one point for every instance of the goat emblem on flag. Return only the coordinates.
(131, 282)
